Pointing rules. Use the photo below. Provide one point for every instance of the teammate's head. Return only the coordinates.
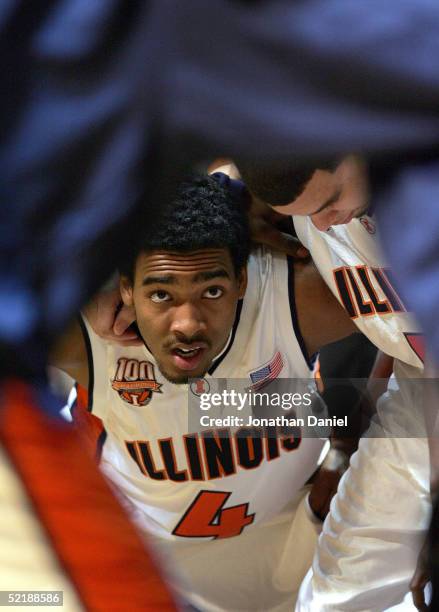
(187, 277)
(331, 193)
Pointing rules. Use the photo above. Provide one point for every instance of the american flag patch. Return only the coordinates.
(262, 376)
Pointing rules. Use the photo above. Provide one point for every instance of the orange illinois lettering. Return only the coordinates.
(359, 289)
(206, 517)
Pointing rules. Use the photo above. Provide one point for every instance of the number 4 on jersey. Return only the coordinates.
(207, 518)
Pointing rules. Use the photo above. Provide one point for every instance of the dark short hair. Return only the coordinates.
(204, 214)
(279, 183)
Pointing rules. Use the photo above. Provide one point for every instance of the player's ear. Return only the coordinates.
(126, 290)
(242, 281)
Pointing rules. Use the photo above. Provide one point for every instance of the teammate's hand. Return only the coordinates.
(266, 228)
(111, 320)
(325, 481)
(420, 579)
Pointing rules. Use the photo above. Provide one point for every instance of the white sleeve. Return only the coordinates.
(98, 384)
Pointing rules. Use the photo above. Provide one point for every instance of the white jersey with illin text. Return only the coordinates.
(351, 263)
(355, 568)
(188, 489)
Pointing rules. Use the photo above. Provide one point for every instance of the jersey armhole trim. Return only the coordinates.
(293, 310)
(216, 363)
(90, 363)
(100, 444)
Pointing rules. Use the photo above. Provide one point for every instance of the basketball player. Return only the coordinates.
(227, 514)
(367, 553)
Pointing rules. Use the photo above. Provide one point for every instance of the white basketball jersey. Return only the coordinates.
(351, 263)
(183, 487)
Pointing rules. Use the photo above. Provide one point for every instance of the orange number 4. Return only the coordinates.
(207, 518)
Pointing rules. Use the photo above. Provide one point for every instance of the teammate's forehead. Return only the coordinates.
(168, 262)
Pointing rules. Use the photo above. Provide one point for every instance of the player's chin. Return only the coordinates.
(181, 377)
(361, 212)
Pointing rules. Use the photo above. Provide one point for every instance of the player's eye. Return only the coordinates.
(160, 296)
(213, 293)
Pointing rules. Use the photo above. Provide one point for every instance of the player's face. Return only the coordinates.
(331, 198)
(185, 307)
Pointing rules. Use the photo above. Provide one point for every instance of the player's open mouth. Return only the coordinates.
(188, 358)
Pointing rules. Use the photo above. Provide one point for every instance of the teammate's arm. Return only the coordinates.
(322, 319)
(430, 400)
(70, 354)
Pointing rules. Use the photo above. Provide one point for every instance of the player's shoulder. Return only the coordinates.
(359, 235)
(362, 228)
(266, 261)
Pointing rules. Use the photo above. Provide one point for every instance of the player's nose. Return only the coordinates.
(188, 320)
